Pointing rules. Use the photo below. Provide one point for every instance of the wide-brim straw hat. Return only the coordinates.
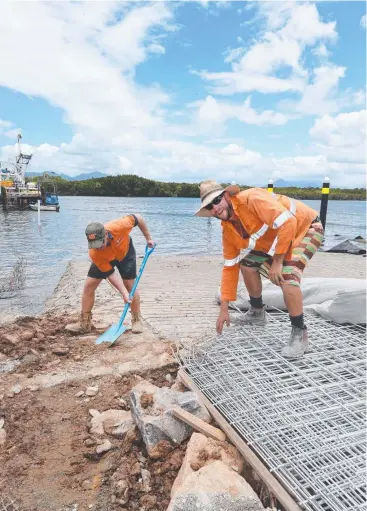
(209, 190)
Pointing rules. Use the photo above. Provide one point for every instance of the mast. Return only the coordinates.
(22, 161)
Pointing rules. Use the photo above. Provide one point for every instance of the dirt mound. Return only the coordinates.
(50, 461)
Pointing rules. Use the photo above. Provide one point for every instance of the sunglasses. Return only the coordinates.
(214, 202)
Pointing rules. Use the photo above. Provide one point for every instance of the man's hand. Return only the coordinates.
(126, 297)
(223, 317)
(275, 273)
(150, 243)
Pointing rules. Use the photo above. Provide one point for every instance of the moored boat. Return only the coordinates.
(44, 207)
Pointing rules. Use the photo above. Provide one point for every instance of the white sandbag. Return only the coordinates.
(316, 291)
(348, 306)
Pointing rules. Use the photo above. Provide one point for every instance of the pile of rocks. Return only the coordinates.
(210, 476)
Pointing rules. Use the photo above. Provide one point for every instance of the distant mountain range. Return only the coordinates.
(79, 177)
(281, 183)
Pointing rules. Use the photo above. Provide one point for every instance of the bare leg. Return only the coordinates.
(293, 299)
(88, 297)
(252, 279)
(135, 304)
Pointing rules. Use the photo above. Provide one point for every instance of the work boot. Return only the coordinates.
(136, 324)
(83, 326)
(252, 317)
(297, 344)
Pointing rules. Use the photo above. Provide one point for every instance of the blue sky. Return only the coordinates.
(242, 91)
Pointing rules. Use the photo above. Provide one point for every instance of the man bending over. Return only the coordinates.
(110, 247)
(277, 236)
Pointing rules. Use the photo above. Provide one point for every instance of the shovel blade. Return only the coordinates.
(112, 334)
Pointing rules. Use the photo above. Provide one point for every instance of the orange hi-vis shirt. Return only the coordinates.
(118, 243)
(274, 223)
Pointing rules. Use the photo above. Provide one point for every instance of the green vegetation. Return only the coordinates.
(135, 186)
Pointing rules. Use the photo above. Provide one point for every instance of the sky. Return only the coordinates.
(187, 91)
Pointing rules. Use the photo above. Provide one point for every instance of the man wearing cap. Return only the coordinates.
(277, 236)
(110, 247)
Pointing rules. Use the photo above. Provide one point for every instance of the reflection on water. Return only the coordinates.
(171, 221)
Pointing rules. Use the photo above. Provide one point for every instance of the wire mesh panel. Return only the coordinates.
(305, 418)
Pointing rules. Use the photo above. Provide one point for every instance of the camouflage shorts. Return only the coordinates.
(301, 255)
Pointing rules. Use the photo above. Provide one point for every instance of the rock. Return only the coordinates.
(109, 421)
(146, 478)
(105, 446)
(2, 436)
(91, 391)
(123, 404)
(87, 485)
(179, 385)
(121, 430)
(10, 339)
(27, 335)
(120, 488)
(79, 394)
(30, 359)
(16, 389)
(202, 451)
(215, 487)
(156, 422)
(61, 350)
(141, 458)
(89, 442)
(8, 365)
(54, 363)
(33, 388)
(2, 422)
(169, 378)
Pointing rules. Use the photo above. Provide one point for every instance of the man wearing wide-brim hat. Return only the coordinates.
(263, 234)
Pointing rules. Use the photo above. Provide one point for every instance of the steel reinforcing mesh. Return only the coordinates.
(305, 418)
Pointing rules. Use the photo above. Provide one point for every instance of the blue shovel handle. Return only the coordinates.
(148, 252)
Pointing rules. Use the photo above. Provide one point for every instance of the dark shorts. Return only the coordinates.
(126, 267)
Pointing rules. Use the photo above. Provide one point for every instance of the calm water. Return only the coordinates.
(171, 224)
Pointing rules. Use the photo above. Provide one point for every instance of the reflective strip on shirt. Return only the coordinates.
(251, 246)
(258, 234)
(286, 215)
(232, 262)
(271, 251)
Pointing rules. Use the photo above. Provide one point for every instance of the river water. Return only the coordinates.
(171, 222)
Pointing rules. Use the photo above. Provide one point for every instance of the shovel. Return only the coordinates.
(117, 329)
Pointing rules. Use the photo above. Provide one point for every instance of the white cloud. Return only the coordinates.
(363, 21)
(7, 129)
(320, 95)
(342, 137)
(212, 112)
(321, 51)
(5, 124)
(125, 163)
(291, 27)
(86, 80)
